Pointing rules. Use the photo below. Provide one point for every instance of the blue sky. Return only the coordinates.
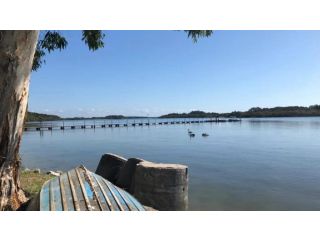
(158, 72)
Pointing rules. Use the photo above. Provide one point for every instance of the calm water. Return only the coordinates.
(258, 164)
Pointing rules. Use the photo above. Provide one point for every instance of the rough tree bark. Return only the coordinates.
(16, 55)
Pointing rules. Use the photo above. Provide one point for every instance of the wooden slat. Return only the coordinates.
(114, 204)
(93, 187)
(56, 194)
(73, 191)
(111, 208)
(127, 201)
(132, 200)
(52, 206)
(67, 192)
(119, 196)
(84, 192)
(99, 193)
(91, 183)
(45, 197)
(136, 203)
(115, 196)
(63, 195)
(77, 187)
(93, 200)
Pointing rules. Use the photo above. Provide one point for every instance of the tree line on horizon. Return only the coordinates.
(291, 111)
(36, 117)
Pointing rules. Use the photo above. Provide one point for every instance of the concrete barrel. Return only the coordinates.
(109, 166)
(162, 186)
(126, 174)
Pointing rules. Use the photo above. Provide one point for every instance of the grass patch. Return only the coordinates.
(31, 182)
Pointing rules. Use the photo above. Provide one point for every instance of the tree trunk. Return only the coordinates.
(16, 55)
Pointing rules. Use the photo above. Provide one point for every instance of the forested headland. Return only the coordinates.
(291, 111)
(33, 117)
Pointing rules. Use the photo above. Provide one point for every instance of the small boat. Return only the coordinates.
(205, 134)
(82, 190)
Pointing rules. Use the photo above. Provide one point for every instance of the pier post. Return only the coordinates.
(162, 186)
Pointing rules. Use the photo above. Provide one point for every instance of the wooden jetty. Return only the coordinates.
(82, 190)
(49, 126)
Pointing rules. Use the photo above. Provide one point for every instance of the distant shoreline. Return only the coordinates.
(256, 112)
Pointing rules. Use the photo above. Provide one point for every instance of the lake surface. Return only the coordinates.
(256, 164)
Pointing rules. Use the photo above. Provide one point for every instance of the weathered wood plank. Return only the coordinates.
(79, 194)
(63, 195)
(105, 206)
(51, 198)
(115, 206)
(93, 186)
(104, 194)
(136, 203)
(119, 200)
(84, 192)
(66, 192)
(126, 201)
(73, 192)
(56, 194)
(45, 197)
(88, 189)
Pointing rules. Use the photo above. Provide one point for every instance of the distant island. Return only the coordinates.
(256, 112)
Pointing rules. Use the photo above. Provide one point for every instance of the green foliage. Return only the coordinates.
(38, 58)
(196, 34)
(292, 111)
(93, 38)
(34, 117)
(52, 40)
(48, 42)
(315, 107)
(192, 114)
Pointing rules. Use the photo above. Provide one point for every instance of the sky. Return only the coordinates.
(151, 73)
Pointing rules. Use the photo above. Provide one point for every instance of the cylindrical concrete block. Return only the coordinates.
(109, 166)
(126, 174)
(162, 186)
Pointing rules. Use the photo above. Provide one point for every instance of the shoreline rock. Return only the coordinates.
(57, 173)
